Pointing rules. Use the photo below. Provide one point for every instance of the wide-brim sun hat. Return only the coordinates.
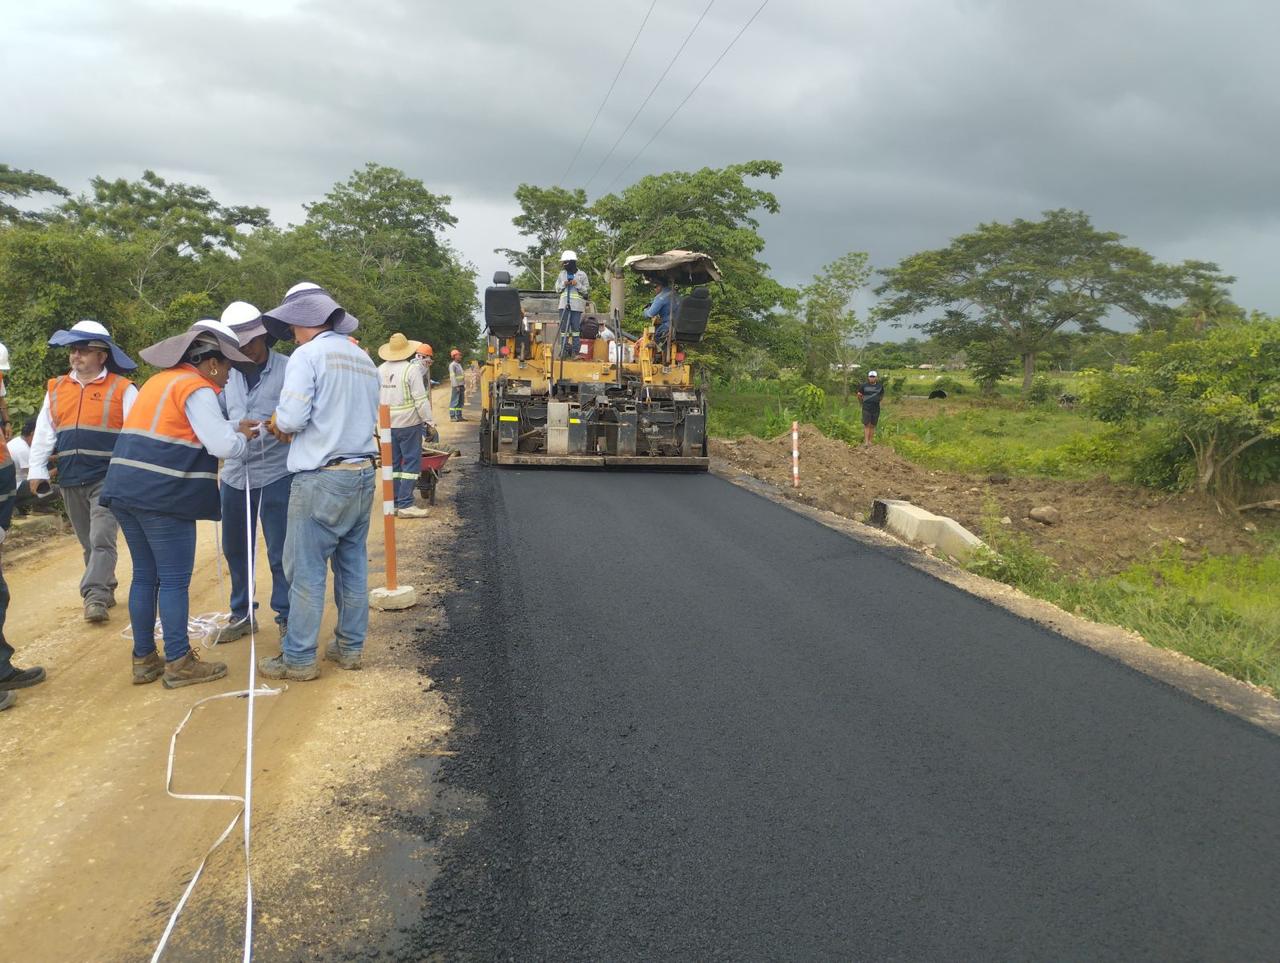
(83, 332)
(246, 321)
(307, 307)
(215, 334)
(398, 348)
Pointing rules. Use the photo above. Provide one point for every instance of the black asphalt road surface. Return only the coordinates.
(695, 725)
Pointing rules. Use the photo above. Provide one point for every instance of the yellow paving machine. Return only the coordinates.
(618, 400)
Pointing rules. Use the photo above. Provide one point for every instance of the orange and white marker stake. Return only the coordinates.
(795, 454)
(388, 494)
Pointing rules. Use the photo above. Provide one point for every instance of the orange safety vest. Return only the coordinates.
(159, 463)
(87, 420)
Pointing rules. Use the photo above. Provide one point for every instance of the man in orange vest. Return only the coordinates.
(11, 677)
(80, 420)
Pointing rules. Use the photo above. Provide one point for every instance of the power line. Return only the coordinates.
(672, 115)
(654, 88)
(592, 125)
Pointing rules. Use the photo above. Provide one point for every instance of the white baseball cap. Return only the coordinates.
(872, 374)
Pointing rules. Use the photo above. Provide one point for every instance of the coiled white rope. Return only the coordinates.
(209, 625)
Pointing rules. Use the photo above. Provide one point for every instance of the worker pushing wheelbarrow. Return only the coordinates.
(433, 460)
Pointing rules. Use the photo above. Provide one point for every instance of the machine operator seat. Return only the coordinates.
(502, 314)
(690, 323)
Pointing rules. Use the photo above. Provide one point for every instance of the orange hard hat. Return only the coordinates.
(425, 350)
(455, 353)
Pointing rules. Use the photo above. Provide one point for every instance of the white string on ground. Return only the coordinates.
(250, 693)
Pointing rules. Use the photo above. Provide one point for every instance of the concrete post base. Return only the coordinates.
(389, 600)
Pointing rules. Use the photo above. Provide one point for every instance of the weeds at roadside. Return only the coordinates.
(1219, 611)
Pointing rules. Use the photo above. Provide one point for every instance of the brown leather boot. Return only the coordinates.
(148, 669)
(189, 670)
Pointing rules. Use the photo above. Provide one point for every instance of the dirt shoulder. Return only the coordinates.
(94, 854)
(1104, 527)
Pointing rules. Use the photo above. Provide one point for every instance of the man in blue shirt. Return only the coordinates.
(328, 413)
(252, 394)
(660, 309)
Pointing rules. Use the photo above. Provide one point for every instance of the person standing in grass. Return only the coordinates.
(870, 393)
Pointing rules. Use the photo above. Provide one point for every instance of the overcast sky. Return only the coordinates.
(900, 123)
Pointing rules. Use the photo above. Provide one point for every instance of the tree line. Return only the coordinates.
(147, 257)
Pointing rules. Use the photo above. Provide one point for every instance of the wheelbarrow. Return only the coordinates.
(433, 460)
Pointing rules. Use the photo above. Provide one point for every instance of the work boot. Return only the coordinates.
(277, 668)
(95, 611)
(235, 629)
(7, 699)
(413, 511)
(21, 678)
(343, 660)
(189, 670)
(148, 668)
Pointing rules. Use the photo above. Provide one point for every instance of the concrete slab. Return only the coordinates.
(915, 524)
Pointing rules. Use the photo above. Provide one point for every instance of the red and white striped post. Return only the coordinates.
(795, 454)
(388, 494)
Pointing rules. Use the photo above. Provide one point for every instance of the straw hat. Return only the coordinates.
(398, 348)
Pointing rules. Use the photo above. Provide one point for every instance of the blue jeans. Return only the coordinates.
(271, 504)
(6, 650)
(571, 321)
(163, 548)
(328, 519)
(406, 462)
(457, 398)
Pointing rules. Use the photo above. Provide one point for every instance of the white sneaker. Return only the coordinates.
(412, 511)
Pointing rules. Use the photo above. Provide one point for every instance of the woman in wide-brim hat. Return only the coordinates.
(163, 477)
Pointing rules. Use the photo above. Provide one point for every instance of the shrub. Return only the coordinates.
(1041, 390)
(811, 402)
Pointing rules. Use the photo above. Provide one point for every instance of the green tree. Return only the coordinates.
(545, 214)
(833, 332)
(18, 183)
(1028, 279)
(1221, 393)
(383, 228)
(990, 360)
(713, 210)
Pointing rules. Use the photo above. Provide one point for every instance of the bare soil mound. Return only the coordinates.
(1104, 527)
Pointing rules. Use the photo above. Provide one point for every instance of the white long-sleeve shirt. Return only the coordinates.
(218, 435)
(45, 438)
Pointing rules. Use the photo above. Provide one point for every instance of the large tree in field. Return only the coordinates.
(713, 210)
(1027, 279)
(381, 229)
(545, 213)
(832, 330)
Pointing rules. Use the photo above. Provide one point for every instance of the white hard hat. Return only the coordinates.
(239, 312)
(568, 256)
(91, 327)
(302, 286)
(4, 358)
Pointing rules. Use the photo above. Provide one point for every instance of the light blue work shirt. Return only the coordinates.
(329, 402)
(266, 460)
(660, 307)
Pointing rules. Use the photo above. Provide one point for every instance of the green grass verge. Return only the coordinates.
(1220, 611)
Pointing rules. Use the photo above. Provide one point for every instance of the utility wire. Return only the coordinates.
(652, 90)
(672, 115)
(608, 93)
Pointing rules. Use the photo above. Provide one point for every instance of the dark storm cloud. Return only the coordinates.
(899, 124)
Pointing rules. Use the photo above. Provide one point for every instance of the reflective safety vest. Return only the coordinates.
(159, 464)
(86, 421)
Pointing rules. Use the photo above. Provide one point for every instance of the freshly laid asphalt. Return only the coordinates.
(695, 725)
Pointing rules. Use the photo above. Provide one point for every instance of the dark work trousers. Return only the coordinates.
(406, 457)
(6, 650)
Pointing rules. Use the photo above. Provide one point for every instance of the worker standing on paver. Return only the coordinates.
(572, 286)
(80, 421)
(870, 395)
(328, 413)
(457, 385)
(11, 677)
(402, 390)
(252, 394)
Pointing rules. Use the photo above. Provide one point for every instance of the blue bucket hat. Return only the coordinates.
(84, 332)
(307, 307)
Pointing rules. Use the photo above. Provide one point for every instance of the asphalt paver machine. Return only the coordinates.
(619, 400)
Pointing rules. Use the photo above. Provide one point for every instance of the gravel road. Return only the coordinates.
(700, 726)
